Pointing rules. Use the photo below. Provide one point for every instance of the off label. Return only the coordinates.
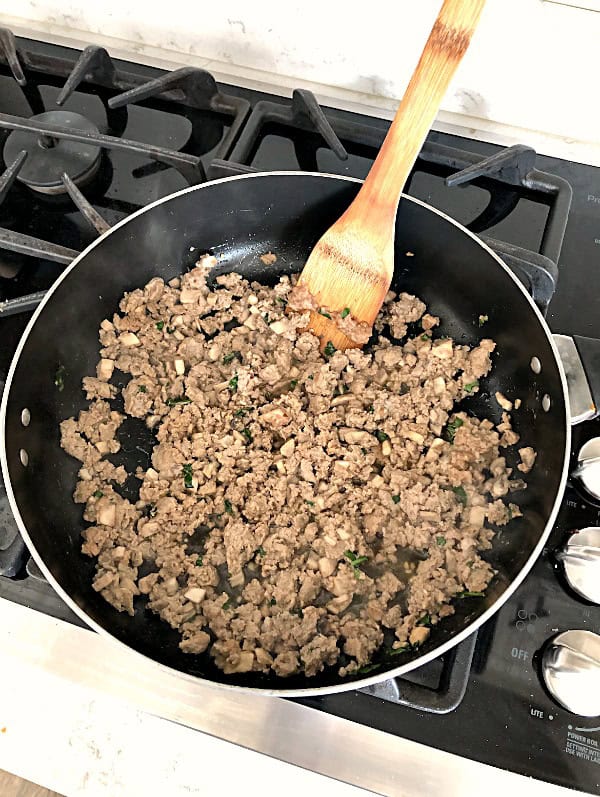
(520, 654)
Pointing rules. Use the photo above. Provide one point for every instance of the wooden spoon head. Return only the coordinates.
(347, 269)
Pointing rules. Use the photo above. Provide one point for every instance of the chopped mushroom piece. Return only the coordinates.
(287, 449)
(503, 402)
(129, 339)
(195, 594)
(418, 635)
(106, 513)
(442, 349)
(327, 566)
(528, 456)
(105, 369)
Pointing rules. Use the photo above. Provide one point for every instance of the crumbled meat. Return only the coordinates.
(268, 258)
(301, 300)
(300, 511)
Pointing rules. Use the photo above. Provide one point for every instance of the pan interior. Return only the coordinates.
(239, 220)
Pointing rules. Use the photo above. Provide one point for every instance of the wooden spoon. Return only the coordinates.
(353, 263)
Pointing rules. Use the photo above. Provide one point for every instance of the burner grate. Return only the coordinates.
(508, 175)
(216, 119)
(437, 687)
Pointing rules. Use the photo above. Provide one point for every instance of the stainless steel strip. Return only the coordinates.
(311, 739)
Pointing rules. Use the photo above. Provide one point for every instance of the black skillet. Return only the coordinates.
(239, 219)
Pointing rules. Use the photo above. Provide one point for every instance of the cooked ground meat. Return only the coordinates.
(301, 511)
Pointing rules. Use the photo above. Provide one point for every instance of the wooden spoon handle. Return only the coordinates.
(376, 205)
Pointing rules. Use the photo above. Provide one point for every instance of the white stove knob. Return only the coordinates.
(588, 467)
(571, 671)
(580, 558)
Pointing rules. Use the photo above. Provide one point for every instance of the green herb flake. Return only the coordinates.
(425, 336)
(370, 408)
(324, 312)
(170, 330)
(425, 620)
(329, 349)
(364, 450)
(311, 377)
(247, 434)
(368, 668)
(98, 494)
(281, 300)
(398, 651)
(468, 594)
(266, 318)
(461, 495)
(345, 312)
(59, 378)
(228, 506)
(272, 602)
(452, 427)
(172, 402)
(260, 551)
(233, 355)
(310, 503)
(356, 561)
(142, 389)
(440, 541)
(199, 561)
(293, 383)
(470, 386)
(396, 499)
(160, 325)
(242, 411)
(482, 319)
(299, 612)
(228, 604)
(188, 475)
(233, 384)
(381, 436)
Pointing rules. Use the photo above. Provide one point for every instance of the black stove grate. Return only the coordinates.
(188, 92)
(509, 175)
(437, 687)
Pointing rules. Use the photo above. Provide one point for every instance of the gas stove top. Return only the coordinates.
(86, 140)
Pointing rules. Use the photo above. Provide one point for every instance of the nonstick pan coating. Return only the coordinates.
(239, 219)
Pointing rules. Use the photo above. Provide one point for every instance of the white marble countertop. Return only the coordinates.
(61, 727)
(528, 77)
(83, 715)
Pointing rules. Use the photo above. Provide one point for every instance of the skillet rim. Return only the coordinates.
(473, 626)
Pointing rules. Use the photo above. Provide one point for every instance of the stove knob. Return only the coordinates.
(588, 467)
(580, 559)
(571, 670)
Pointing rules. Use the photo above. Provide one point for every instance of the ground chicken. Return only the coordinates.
(301, 511)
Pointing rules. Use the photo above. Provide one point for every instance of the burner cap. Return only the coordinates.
(48, 158)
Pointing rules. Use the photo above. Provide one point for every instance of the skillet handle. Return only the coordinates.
(580, 358)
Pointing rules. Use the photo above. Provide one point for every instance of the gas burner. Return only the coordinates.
(48, 158)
